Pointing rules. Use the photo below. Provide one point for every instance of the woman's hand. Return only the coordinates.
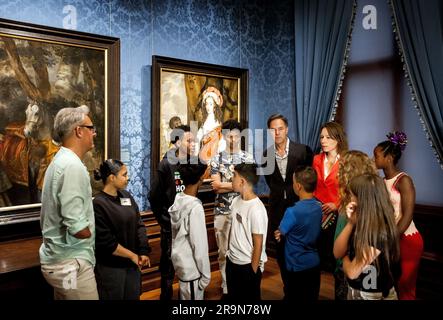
(328, 207)
(350, 212)
(144, 261)
(134, 258)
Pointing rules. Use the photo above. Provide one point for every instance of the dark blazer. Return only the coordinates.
(282, 194)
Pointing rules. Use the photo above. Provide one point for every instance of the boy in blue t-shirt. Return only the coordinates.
(301, 227)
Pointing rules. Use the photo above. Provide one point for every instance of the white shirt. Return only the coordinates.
(248, 217)
(282, 161)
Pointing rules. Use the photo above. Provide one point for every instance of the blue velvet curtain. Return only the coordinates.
(419, 26)
(322, 34)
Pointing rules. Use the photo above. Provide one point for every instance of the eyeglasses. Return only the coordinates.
(92, 128)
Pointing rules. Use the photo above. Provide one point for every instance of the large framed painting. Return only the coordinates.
(197, 94)
(44, 69)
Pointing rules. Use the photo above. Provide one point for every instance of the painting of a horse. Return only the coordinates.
(28, 148)
(38, 80)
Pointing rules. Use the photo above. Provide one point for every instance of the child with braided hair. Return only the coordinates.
(402, 193)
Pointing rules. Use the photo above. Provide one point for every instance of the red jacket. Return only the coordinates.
(327, 190)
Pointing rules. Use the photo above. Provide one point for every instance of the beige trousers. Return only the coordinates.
(72, 279)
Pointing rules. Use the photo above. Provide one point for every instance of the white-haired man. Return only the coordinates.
(67, 216)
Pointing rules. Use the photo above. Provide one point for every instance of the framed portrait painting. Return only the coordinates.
(45, 69)
(200, 95)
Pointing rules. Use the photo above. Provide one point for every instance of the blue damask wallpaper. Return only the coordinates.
(257, 35)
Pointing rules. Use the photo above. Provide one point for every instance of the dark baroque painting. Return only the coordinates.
(41, 71)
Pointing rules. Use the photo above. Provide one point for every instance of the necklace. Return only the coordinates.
(330, 164)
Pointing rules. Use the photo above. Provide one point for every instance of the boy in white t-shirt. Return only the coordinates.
(246, 250)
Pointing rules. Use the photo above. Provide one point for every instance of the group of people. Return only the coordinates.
(91, 248)
(240, 220)
(331, 211)
(351, 218)
(318, 221)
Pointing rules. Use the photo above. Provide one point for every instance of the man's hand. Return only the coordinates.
(83, 234)
(277, 235)
(216, 185)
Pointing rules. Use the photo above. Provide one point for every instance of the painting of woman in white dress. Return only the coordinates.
(209, 134)
(201, 96)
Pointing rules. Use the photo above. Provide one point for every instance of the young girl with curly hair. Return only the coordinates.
(352, 164)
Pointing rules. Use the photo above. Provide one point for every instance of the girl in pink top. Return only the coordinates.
(402, 193)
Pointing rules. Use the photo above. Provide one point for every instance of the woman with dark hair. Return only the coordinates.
(402, 193)
(334, 144)
(121, 246)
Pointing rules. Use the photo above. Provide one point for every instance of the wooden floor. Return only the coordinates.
(271, 285)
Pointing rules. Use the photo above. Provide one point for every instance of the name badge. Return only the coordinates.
(125, 201)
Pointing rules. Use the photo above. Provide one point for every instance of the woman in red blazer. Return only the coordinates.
(333, 145)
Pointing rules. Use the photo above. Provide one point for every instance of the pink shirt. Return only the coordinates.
(396, 201)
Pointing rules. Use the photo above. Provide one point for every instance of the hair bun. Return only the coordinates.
(398, 138)
(97, 175)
